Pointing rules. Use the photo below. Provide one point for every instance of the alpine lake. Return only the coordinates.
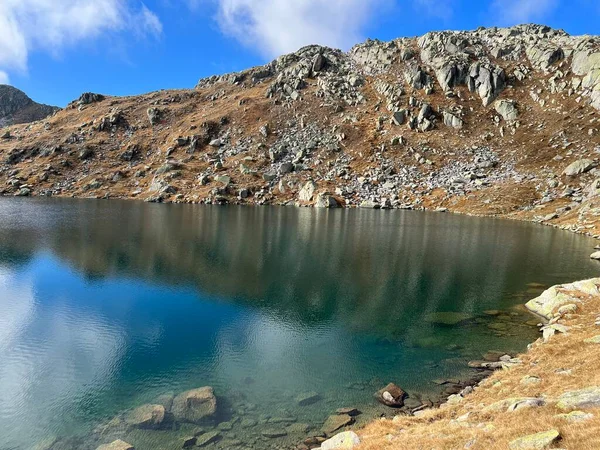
(287, 313)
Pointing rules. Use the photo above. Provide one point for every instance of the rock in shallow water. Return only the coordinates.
(391, 395)
(335, 422)
(146, 416)
(116, 445)
(194, 406)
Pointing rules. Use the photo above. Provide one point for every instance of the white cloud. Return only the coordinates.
(282, 26)
(4, 78)
(51, 25)
(513, 12)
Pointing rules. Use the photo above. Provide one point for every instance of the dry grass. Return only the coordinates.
(439, 429)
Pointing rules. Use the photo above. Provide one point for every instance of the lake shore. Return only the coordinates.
(549, 399)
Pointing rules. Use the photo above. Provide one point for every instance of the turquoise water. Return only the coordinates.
(108, 305)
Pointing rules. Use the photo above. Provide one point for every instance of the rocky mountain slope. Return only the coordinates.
(492, 121)
(17, 108)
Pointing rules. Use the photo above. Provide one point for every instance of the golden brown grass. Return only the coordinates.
(439, 429)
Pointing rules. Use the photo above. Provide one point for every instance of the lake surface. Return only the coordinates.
(109, 305)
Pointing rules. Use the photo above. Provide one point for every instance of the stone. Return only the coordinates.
(272, 434)
(538, 441)
(583, 398)
(116, 445)
(146, 416)
(514, 404)
(307, 192)
(215, 143)
(507, 109)
(349, 411)
(324, 200)
(298, 428)
(575, 416)
(86, 153)
(225, 180)
(593, 340)
(399, 117)
(154, 115)
(207, 438)
(195, 406)
(450, 120)
(189, 442)
(307, 398)
(337, 421)
(578, 167)
(391, 395)
(447, 318)
(530, 379)
(595, 256)
(341, 441)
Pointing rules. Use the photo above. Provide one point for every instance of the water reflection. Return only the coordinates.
(107, 305)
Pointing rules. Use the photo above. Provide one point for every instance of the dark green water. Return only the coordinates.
(106, 306)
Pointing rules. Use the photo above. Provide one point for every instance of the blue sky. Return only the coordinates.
(56, 49)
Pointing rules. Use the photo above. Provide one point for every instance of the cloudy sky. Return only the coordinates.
(56, 49)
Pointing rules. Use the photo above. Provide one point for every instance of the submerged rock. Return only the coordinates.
(146, 416)
(116, 445)
(207, 438)
(308, 398)
(391, 395)
(195, 406)
(447, 318)
(337, 421)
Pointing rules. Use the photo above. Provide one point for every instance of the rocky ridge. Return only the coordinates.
(17, 108)
(496, 121)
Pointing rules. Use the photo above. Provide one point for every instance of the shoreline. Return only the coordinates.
(566, 303)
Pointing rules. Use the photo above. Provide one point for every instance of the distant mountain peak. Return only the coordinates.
(16, 107)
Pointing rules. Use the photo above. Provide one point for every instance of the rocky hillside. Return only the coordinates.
(493, 121)
(17, 108)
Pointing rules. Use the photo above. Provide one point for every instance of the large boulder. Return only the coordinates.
(342, 441)
(325, 200)
(146, 416)
(507, 109)
(307, 192)
(583, 398)
(538, 441)
(391, 395)
(578, 167)
(195, 406)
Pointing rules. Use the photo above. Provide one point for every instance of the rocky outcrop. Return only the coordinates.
(553, 298)
(16, 107)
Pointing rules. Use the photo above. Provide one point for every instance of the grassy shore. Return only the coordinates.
(483, 419)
